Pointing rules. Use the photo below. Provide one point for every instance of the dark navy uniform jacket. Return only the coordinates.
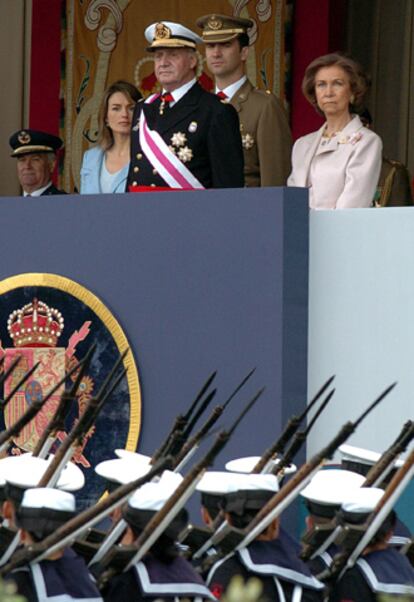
(382, 572)
(52, 190)
(276, 563)
(212, 135)
(66, 579)
(152, 579)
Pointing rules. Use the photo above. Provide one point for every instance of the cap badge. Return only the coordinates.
(24, 137)
(214, 23)
(193, 127)
(162, 32)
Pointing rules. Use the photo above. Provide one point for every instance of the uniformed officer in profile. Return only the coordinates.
(35, 152)
(183, 138)
(264, 127)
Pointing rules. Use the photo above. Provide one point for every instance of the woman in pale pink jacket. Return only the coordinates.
(340, 163)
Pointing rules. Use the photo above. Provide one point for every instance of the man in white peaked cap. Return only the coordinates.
(184, 138)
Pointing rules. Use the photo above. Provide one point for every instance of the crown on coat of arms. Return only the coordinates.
(35, 325)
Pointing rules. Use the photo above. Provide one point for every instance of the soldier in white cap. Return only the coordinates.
(25, 472)
(361, 460)
(162, 573)
(323, 498)
(272, 556)
(380, 570)
(183, 138)
(63, 575)
(266, 137)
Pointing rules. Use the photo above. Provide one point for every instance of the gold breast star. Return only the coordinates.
(185, 154)
(178, 139)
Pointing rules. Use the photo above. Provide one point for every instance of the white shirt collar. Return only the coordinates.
(180, 92)
(231, 90)
(37, 192)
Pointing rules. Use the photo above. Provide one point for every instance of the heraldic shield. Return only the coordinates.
(52, 322)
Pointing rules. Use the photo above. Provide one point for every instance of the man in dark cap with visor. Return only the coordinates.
(35, 152)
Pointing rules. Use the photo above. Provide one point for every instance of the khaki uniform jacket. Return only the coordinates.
(265, 135)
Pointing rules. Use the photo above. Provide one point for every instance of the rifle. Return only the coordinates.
(30, 413)
(187, 451)
(357, 537)
(75, 527)
(82, 426)
(384, 465)
(290, 429)
(57, 423)
(320, 537)
(160, 521)
(192, 444)
(288, 492)
(25, 377)
(299, 439)
(182, 419)
(10, 369)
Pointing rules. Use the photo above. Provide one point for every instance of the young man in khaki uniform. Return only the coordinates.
(263, 124)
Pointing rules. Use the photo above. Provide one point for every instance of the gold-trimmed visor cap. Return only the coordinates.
(222, 28)
(24, 142)
(166, 34)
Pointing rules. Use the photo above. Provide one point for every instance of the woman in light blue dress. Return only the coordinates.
(105, 166)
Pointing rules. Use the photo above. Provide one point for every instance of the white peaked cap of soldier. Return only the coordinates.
(248, 463)
(222, 483)
(330, 486)
(122, 470)
(167, 34)
(360, 455)
(133, 456)
(26, 471)
(152, 496)
(362, 500)
(52, 499)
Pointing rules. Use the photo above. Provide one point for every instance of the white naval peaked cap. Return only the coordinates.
(224, 483)
(350, 453)
(331, 486)
(26, 471)
(362, 500)
(152, 496)
(47, 497)
(248, 463)
(217, 482)
(133, 456)
(167, 34)
(122, 470)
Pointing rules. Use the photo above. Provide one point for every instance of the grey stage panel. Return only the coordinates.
(198, 280)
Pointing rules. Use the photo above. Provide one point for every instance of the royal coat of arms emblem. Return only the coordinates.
(35, 330)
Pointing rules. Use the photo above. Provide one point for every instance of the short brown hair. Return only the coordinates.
(105, 136)
(358, 79)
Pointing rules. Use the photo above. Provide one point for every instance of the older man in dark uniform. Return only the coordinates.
(35, 152)
(184, 138)
(264, 127)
